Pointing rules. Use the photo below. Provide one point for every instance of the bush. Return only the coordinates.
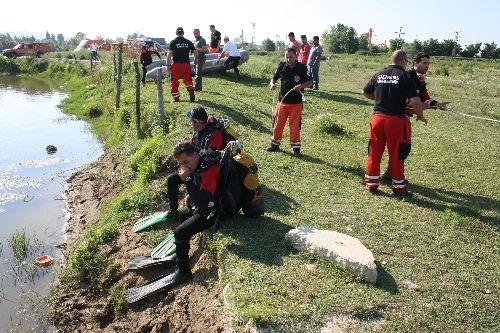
(326, 124)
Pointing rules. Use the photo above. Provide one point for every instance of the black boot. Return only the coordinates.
(273, 147)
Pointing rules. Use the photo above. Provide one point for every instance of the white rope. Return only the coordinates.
(469, 115)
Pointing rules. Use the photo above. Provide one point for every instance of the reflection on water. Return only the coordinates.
(31, 186)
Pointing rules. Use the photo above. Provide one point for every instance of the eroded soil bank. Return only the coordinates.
(196, 307)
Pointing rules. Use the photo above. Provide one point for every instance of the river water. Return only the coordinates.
(32, 183)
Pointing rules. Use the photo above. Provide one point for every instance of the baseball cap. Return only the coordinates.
(179, 31)
(198, 114)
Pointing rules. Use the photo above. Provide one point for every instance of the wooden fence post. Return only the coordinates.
(119, 76)
(91, 61)
(114, 67)
(161, 111)
(137, 99)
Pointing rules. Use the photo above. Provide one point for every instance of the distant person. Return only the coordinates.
(314, 61)
(93, 48)
(215, 39)
(233, 59)
(293, 42)
(178, 60)
(304, 50)
(294, 78)
(390, 88)
(146, 59)
(205, 137)
(201, 46)
(421, 63)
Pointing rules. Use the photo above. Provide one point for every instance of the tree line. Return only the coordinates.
(57, 41)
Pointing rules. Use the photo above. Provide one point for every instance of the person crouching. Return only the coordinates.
(200, 174)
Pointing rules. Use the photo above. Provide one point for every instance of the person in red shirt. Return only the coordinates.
(304, 50)
(293, 42)
(178, 60)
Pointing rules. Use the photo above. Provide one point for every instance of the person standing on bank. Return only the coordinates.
(201, 46)
(146, 59)
(294, 78)
(233, 59)
(215, 38)
(178, 60)
(293, 42)
(390, 88)
(314, 61)
(204, 138)
(304, 50)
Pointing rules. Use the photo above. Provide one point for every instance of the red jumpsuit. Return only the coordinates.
(180, 67)
(389, 126)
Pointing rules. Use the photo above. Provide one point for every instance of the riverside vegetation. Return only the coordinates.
(437, 252)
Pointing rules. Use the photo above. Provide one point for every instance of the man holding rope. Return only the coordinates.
(294, 78)
(390, 88)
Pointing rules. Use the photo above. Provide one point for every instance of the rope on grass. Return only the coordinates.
(469, 115)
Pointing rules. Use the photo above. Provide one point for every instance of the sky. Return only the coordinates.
(476, 21)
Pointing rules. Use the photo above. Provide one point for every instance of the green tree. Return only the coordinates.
(490, 51)
(447, 47)
(268, 45)
(396, 44)
(471, 50)
(60, 39)
(341, 39)
(363, 44)
(6, 42)
(75, 40)
(432, 46)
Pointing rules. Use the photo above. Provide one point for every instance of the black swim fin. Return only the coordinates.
(140, 262)
(163, 283)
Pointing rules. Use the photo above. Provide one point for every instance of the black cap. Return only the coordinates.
(198, 114)
(179, 31)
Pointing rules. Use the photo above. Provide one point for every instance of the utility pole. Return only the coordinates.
(455, 44)
(253, 36)
(400, 32)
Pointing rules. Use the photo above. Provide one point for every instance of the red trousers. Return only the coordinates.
(390, 131)
(180, 71)
(282, 112)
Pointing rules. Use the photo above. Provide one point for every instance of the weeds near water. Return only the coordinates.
(19, 244)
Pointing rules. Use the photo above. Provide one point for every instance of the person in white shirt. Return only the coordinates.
(233, 59)
(94, 48)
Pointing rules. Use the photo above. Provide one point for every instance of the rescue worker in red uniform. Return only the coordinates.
(200, 172)
(420, 67)
(390, 88)
(294, 78)
(178, 60)
(205, 138)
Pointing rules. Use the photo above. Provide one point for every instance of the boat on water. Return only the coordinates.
(211, 64)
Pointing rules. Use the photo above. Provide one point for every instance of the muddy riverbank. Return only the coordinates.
(196, 307)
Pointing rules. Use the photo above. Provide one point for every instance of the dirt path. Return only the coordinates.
(195, 307)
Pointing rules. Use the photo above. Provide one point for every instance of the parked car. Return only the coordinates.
(36, 49)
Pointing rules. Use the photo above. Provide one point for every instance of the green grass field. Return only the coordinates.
(445, 239)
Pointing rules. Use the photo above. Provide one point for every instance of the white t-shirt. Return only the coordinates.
(231, 48)
(93, 47)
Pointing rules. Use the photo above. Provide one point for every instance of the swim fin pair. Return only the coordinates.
(151, 220)
(163, 283)
(162, 254)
